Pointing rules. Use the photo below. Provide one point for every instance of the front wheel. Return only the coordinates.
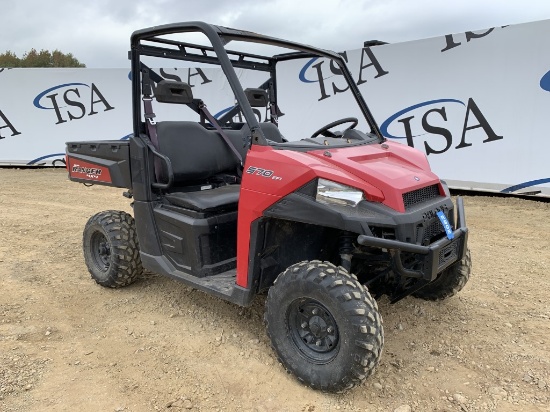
(324, 326)
(449, 282)
(111, 249)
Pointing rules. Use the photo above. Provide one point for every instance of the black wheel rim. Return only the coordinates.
(313, 330)
(101, 251)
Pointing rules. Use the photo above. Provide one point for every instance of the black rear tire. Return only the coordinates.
(324, 326)
(449, 282)
(111, 249)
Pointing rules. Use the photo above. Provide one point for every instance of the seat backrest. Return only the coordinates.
(271, 132)
(240, 137)
(195, 152)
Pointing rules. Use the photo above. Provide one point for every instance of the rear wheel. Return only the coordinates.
(111, 250)
(324, 326)
(449, 282)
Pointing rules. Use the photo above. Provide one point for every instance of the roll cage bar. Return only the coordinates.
(147, 42)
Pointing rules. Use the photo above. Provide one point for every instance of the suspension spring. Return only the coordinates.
(346, 249)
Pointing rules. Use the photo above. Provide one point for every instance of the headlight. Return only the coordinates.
(332, 193)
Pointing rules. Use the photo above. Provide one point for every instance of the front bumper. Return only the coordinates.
(430, 260)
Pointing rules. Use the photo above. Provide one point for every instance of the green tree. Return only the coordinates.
(43, 58)
(9, 59)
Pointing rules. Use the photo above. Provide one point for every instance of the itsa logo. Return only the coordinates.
(72, 101)
(436, 118)
(319, 71)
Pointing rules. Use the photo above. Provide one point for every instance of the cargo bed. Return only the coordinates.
(105, 162)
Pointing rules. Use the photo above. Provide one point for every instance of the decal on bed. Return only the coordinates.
(88, 171)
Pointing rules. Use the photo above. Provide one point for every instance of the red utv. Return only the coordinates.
(325, 221)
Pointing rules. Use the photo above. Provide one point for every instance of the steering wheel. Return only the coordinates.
(327, 133)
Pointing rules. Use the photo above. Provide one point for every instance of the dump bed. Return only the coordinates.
(105, 162)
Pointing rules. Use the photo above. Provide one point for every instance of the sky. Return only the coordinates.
(97, 32)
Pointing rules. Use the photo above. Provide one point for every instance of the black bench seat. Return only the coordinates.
(210, 200)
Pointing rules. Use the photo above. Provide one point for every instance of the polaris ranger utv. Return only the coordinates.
(325, 221)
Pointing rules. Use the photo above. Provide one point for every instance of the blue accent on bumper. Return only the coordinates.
(446, 225)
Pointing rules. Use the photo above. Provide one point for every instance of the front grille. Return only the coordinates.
(448, 254)
(420, 195)
(429, 234)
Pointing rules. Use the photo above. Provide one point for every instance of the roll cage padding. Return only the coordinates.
(169, 91)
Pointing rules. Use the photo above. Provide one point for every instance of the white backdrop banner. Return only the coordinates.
(476, 103)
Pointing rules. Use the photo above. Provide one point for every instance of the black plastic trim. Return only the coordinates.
(302, 208)
(431, 253)
(222, 285)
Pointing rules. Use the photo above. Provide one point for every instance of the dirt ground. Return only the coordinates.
(68, 344)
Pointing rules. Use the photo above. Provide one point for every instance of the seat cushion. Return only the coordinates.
(210, 200)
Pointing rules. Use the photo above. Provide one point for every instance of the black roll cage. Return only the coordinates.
(146, 42)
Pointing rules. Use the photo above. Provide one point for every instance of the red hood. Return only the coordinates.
(391, 167)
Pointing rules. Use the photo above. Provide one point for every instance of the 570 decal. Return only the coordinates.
(262, 172)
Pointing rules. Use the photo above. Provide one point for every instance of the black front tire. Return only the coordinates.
(324, 326)
(111, 249)
(449, 282)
